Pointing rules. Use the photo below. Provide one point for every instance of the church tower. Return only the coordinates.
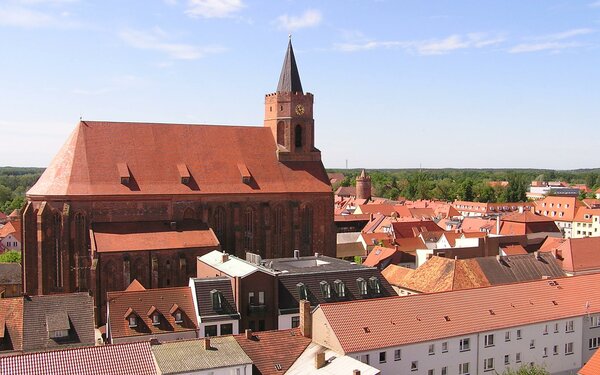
(289, 115)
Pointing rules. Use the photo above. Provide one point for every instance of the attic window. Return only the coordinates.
(58, 325)
(184, 173)
(366, 329)
(325, 289)
(132, 321)
(374, 284)
(340, 288)
(124, 173)
(302, 292)
(446, 318)
(156, 319)
(217, 299)
(176, 313)
(245, 173)
(492, 312)
(59, 334)
(278, 367)
(362, 286)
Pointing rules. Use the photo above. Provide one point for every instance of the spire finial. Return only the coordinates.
(289, 36)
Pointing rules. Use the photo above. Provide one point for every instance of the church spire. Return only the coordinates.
(289, 80)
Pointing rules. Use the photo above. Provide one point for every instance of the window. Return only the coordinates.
(295, 321)
(340, 288)
(444, 370)
(362, 286)
(261, 298)
(178, 317)
(261, 325)
(210, 331)
(325, 289)
(382, 358)
(568, 348)
(217, 300)
(431, 372)
(464, 345)
(545, 352)
(555, 350)
(488, 364)
(302, 291)
(414, 366)
(59, 333)
(251, 298)
(227, 329)
(507, 359)
(593, 343)
(374, 284)
(132, 321)
(489, 340)
(431, 349)
(507, 336)
(463, 368)
(518, 358)
(397, 354)
(445, 347)
(532, 344)
(519, 337)
(155, 319)
(298, 136)
(555, 327)
(364, 358)
(569, 326)
(545, 329)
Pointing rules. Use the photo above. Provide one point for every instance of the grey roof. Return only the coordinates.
(310, 264)
(289, 80)
(190, 355)
(10, 273)
(203, 288)
(518, 268)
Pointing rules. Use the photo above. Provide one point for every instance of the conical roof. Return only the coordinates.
(289, 80)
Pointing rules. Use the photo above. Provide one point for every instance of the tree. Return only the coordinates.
(466, 190)
(527, 370)
(11, 256)
(582, 195)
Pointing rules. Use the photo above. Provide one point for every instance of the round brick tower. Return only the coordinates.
(363, 186)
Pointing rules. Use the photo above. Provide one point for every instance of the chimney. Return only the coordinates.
(521, 209)
(248, 334)
(224, 257)
(356, 372)
(305, 319)
(206, 343)
(316, 255)
(320, 360)
(296, 254)
(396, 247)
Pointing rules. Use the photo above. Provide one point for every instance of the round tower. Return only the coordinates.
(363, 186)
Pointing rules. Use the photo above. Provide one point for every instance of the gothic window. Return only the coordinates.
(280, 133)
(109, 274)
(81, 252)
(298, 136)
(278, 231)
(219, 223)
(307, 223)
(189, 214)
(249, 229)
(57, 255)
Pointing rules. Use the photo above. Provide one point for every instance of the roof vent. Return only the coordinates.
(447, 318)
(366, 329)
(555, 303)
(492, 312)
(184, 173)
(124, 173)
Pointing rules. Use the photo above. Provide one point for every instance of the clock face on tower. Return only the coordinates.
(299, 109)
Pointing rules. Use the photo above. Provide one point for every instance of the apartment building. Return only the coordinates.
(554, 323)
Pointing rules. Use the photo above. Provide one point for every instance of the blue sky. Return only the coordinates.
(397, 84)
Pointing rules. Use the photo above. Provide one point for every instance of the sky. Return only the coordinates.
(397, 83)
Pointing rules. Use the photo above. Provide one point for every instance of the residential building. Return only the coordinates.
(120, 359)
(467, 208)
(473, 331)
(140, 314)
(541, 189)
(10, 280)
(208, 356)
(381, 257)
(33, 323)
(526, 222)
(576, 256)
(319, 360)
(586, 223)
(10, 236)
(215, 305)
(561, 209)
(261, 189)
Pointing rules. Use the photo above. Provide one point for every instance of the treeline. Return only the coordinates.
(14, 182)
(465, 184)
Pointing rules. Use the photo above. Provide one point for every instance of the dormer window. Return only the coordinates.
(178, 317)
(325, 289)
(302, 291)
(217, 299)
(124, 173)
(132, 321)
(175, 311)
(155, 319)
(184, 173)
(374, 284)
(340, 288)
(362, 286)
(245, 173)
(59, 334)
(58, 325)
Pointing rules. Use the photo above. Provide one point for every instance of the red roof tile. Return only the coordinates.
(405, 229)
(514, 250)
(592, 367)
(12, 227)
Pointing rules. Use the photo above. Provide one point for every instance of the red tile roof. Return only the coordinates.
(381, 254)
(405, 229)
(12, 227)
(115, 237)
(577, 254)
(143, 303)
(514, 250)
(425, 317)
(552, 243)
(585, 215)
(550, 204)
(88, 162)
(394, 274)
(269, 349)
(592, 367)
(120, 359)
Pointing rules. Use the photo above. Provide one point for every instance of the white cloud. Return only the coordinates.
(213, 8)
(157, 40)
(428, 47)
(310, 18)
(552, 42)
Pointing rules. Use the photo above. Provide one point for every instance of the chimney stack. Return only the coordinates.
(206, 343)
(356, 372)
(224, 257)
(296, 254)
(316, 255)
(498, 224)
(305, 319)
(320, 360)
(248, 333)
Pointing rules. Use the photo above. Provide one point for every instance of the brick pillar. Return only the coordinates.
(305, 319)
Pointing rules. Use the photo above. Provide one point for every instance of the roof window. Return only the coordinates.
(217, 300)
(124, 173)
(302, 291)
(325, 289)
(184, 173)
(340, 288)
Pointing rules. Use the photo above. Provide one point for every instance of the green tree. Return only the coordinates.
(582, 195)
(487, 195)
(11, 256)
(527, 370)
(465, 191)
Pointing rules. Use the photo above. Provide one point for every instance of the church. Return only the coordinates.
(123, 201)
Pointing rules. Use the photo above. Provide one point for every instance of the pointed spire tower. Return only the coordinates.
(289, 114)
(363, 186)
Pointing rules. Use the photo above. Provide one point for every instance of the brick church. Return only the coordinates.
(123, 201)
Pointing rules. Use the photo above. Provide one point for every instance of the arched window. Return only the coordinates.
(249, 229)
(280, 133)
(298, 136)
(278, 231)
(81, 252)
(219, 224)
(189, 214)
(307, 224)
(57, 255)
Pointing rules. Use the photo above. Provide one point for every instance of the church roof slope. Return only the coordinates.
(125, 159)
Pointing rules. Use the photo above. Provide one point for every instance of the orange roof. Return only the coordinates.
(579, 254)
(591, 203)
(552, 243)
(585, 215)
(514, 250)
(380, 254)
(369, 238)
(394, 274)
(551, 204)
(592, 367)
(422, 213)
(425, 317)
(11, 227)
(476, 224)
(410, 244)
(88, 163)
(141, 236)
(451, 237)
(405, 229)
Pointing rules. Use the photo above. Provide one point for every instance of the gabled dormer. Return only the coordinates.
(154, 315)
(133, 319)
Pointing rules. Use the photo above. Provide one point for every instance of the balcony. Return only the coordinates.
(257, 310)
